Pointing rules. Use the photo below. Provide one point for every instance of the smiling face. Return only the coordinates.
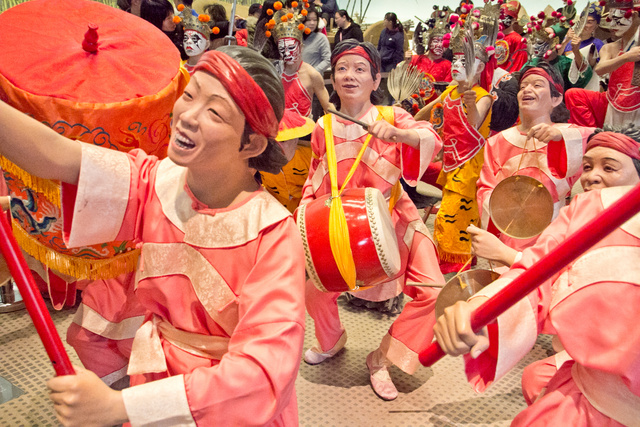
(352, 80)
(194, 43)
(604, 167)
(207, 127)
(289, 50)
(435, 46)
(534, 96)
(619, 24)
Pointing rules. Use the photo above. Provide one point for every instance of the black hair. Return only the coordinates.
(187, 3)
(254, 8)
(155, 11)
(216, 11)
(264, 74)
(393, 18)
(628, 129)
(374, 55)
(311, 10)
(344, 14)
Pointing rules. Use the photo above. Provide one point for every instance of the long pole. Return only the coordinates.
(578, 243)
(33, 300)
(232, 21)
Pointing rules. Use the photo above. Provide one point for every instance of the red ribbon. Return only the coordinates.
(616, 141)
(243, 89)
(542, 73)
(358, 50)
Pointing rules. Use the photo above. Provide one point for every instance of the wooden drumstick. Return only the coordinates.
(425, 285)
(364, 125)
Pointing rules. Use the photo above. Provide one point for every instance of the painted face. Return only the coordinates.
(168, 25)
(505, 19)
(604, 167)
(353, 81)
(539, 48)
(207, 126)
(435, 46)
(289, 50)
(458, 71)
(534, 96)
(619, 23)
(194, 43)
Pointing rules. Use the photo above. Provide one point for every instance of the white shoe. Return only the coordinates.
(314, 355)
(381, 382)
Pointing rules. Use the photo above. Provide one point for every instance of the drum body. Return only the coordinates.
(372, 239)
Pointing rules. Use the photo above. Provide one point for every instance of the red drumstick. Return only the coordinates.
(583, 239)
(33, 300)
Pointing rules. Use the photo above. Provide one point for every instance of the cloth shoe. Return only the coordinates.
(315, 355)
(381, 382)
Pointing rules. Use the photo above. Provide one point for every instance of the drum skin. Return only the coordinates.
(375, 252)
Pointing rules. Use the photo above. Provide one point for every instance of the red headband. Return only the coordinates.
(247, 95)
(358, 50)
(616, 141)
(542, 73)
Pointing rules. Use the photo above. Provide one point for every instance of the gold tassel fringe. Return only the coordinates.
(51, 189)
(80, 268)
(454, 258)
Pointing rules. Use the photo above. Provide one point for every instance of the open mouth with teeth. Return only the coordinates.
(184, 142)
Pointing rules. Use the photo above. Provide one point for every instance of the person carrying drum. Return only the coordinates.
(221, 269)
(398, 146)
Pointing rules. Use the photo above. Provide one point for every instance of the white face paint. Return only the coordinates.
(458, 71)
(620, 24)
(506, 20)
(194, 43)
(289, 50)
(435, 46)
(539, 48)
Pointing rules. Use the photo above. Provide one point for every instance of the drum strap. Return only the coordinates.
(338, 229)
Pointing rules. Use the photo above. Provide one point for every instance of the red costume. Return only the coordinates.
(436, 71)
(517, 52)
(296, 97)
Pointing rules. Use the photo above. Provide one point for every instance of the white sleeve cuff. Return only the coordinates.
(574, 146)
(102, 197)
(158, 403)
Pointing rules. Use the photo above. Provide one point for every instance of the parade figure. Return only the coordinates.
(598, 383)
(620, 103)
(220, 274)
(196, 36)
(467, 114)
(524, 149)
(517, 50)
(398, 146)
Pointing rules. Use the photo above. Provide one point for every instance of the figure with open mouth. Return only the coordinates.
(394, 145)
(196, 36)
(222, 264)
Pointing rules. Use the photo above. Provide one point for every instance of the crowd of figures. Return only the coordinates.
(209, 330)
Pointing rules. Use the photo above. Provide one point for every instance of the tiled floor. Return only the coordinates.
(335, 393)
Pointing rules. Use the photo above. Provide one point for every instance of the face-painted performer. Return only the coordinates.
(517, 50)
(601, 284)
(196, 359)
(196, 36)
(407, 147)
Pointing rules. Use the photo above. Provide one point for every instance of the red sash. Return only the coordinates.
(461, 140)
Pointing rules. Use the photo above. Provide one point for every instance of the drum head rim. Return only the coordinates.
(387, 247)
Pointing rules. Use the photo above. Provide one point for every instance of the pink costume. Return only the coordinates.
(503, 157)
(592, 306)
(381, 167)
(296, 97)
(222, 288)
(517, 52)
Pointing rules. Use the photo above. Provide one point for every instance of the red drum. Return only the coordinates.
(372, 239)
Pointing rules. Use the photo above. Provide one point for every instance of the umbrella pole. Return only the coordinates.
(33, 300)
(229, 39)
(565, 253)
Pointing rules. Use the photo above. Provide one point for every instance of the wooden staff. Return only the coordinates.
(33, 300)
(565, 253)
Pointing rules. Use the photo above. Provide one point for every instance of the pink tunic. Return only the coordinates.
(503, 157)
(381, 167)
(592, 306)
(222, 289)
